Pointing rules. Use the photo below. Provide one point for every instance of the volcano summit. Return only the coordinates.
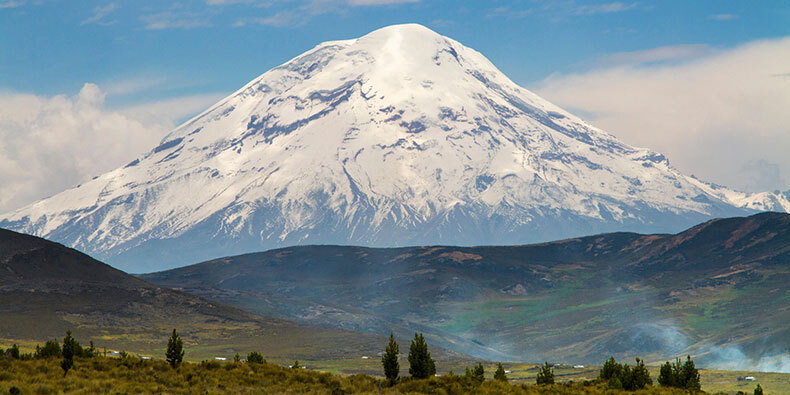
(400, 137)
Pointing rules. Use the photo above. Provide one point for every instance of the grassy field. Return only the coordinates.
(135, 376)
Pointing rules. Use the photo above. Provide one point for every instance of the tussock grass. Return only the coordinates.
(133, 375)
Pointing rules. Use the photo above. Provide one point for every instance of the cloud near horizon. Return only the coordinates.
(49, 144)
(722, 116)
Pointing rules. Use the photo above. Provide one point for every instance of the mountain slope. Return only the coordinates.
(718, 291)
(46, 289)
(400, 137)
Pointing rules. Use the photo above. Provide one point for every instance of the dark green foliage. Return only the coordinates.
(623, 376)
(14, 391)
(758, 390)
(610, 369)
(478, 373)
(545, 375)
(255, 357)
(237, 358)
(680, 375)
(500, 373)
(296, 365)
(421, 364)
(70, 348)
(175, 350)
(390, 360)
(51, 349)
(665, 376)
(12, 352)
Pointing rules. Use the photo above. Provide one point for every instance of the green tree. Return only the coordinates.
(296, 365)
(665, 376)
(500, 373)
(758, 390)
(545, 375)
(237, 358)
(639, 376)
(175, 350)
(70, 347)
(255, 357)
(610, 369)
(390, 360)
(421, 365)
(479, 373)
(690, 375)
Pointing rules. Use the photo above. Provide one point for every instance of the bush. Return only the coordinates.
(12, 352)
(623, 376)
(758, 390)
(51, 349)
(255, 357)
(478, 373)
(680, 375)
(545, 375)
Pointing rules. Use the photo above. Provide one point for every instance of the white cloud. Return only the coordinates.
(378, 2)
(712, 116)
(11, 4)
(174, 20)
(48, 144)
(657, 55)
(723, 17)
(99, 14)
(603, 8)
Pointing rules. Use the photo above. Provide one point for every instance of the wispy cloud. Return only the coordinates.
(99, 14)
(11, 4)
(605, 8)
(378, 2)
(172, 19)
(652, 56)
(730, 102)
(507, 12)
(722, 17)
(299, 12)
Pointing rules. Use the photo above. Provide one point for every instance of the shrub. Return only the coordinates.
(680, 375)
(623, 376)
(545, 375)
(255, 357)
(51, 349)
(478, 373)
(758, 390)
(12, 352)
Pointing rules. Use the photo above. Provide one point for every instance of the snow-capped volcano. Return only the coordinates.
(400, 137)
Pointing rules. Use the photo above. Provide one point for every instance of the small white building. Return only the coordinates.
(220, 359)
(749, 378)
(578, 366)
(365, 357)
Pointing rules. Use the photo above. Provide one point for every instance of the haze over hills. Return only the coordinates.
(717, 291)
(46, 289)
(400, 137)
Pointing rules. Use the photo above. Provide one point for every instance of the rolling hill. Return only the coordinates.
(46, 289)
(717, 290)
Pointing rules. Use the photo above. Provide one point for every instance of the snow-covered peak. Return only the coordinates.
(402, 136)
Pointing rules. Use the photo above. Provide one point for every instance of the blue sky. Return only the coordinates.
(53, 47)
(707, 83)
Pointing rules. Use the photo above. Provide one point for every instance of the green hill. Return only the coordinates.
(718, 291)
(46, 288)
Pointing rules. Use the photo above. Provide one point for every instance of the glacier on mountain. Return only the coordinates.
(400, 137)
